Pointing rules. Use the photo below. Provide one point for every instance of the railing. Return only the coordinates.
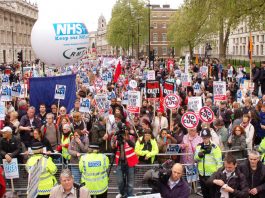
(21, 183)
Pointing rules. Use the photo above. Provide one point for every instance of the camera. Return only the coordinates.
(121, 132)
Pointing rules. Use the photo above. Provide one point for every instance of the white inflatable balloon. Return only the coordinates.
(59, 43)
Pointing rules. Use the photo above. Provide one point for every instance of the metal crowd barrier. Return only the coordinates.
(21, 183)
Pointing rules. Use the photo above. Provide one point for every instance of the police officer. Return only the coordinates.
(93, 167)
(209, 158)
(47, 180)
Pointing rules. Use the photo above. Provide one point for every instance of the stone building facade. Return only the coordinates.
(17, 18)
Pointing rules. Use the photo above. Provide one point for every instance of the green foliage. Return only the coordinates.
(123, 26)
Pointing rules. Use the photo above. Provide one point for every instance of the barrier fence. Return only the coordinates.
(20, 184)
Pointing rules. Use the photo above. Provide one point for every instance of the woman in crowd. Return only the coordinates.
(237, 141)
(37, 137)
(249, 130)
(159, 122)
(146, 148)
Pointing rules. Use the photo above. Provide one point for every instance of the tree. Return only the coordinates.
(122, 28)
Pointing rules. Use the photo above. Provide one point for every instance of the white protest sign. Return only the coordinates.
(197, 87)
(151, 75)
(5, 80)
(2, 111)
(34, 178)
(230, 72)
(6, 93)
(11, 169)
(101, 101)
(84, 105)
(172, 101)
(85, 81)
(16, 89)
(206, 115)
(133, 84)
(204, 71)
(60, 91)
(219, 90)
(157, 195)
(98, 84)
(134, 101)
(189, 120)
(23, 92)
(195, 103)
(191, 173)
(185, 79)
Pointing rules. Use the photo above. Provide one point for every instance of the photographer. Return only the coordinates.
(27, 125)
(125, 158)
(173, 185)
(209, 158)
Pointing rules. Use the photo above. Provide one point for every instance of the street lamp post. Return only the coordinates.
(149, 32)
(12, 40)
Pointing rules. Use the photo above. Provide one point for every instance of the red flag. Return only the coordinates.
(161, 99)
(117, 72)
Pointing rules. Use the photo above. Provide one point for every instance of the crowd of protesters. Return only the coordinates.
(239, 122)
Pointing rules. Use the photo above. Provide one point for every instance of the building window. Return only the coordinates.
(154, 25)
(155, 37)
(164, 37)
(155, 50)
(257, 38)
(236, 50)
(261, 50)
(244, 50)
(164, 50)
(240, 50)
(257, 50)
(164, 25)
(262, 38)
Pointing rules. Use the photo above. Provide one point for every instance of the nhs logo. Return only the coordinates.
(64, 29)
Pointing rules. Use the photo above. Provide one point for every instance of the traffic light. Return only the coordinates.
(20, 56)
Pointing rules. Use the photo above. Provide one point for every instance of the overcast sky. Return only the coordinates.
(87, 11)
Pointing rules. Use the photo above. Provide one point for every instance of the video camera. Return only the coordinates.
(121, 132)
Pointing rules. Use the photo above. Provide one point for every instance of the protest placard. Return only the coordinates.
(33, 179)
(195, 103)
(60, 91)
(133, 84)
(6, 93)
(153, 89)
(219, 90)
(11, 169)
(189, 120)
(2, 111)
(206, 114)
(134, 101)
(98, 84)
(197, 87)
(172, 101)
(84, 105)
(185, 79)
(5, 80)
(173, 148)
(191, 173)
(15, 89)
(168, 88)
(151, 75)
(101, 102)
(204, 71)
(86, 81)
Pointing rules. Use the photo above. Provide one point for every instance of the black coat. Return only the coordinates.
(255, 179)
(238, 182)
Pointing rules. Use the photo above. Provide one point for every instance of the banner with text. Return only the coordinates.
(134, 101)
(219, 90)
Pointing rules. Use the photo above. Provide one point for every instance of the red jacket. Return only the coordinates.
(130, 155)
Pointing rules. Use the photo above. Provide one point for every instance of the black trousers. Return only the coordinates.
(43, 196)
(205, 190)
(104, 195)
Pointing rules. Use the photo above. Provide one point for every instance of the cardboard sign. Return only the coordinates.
(11, 169)
(219, 90)
(15, 89)
(86, 81)
(60, 91)
(185, 79)
(191, 173)
(204, 71)
(206, 115)
(101, 102)
(177, 73)
(151, 75)
(172, 101)
(197, 88)
(173, 148)
(153, 89)
(134, 101)
(6, 93)
(84, 105)
(189, 120)
(33, 179)
(195, 103)
(168, 88)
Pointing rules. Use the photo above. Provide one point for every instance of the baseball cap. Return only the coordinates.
(7, 129)
(205, 133)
